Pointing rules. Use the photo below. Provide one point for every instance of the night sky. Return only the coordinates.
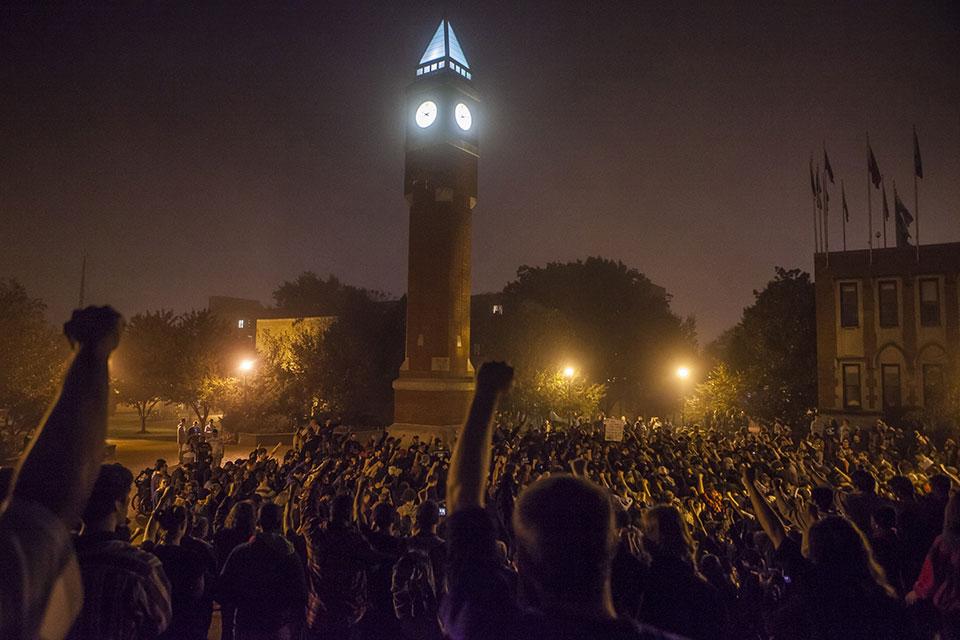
(219, 148)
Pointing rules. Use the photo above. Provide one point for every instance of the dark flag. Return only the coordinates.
(843, 200)
(872, 167)
(886, 210)
(826, 165)
(917, 161)
(904, 220)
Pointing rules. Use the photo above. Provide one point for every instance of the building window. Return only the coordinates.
(240, 324)
(849, 305)
(498, 309)
(929, 302)
(851, 386)
(889, 307)
(890, 376)
(932, 384)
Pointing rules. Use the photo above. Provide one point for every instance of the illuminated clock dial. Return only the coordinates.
(426, 114)
(463, 116)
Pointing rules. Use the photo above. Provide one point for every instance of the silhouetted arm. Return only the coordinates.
(471, 456)
(62, 463)
(768, 519)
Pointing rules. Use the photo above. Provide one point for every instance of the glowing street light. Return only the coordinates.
(246, 365)
(568, 372)
(682, 374)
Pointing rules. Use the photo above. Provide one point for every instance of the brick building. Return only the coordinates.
(888, 329)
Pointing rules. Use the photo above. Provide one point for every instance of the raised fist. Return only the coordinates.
(496, 376)
(95, 328)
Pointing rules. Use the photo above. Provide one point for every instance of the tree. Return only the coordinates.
(310, 295)
(32, 356)
(346, 370)
(145, 363)
(547, 392)
(358, 359)
(615, 325)
(774, 349)
(202, 372)
(719, 400)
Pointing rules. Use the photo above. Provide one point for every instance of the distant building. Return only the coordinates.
(888, 330)
(240, 314)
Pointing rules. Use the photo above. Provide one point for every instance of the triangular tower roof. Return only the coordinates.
(444, 52)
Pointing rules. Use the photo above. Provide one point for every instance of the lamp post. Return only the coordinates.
(683, 373)
(245, 367)
(568, 373)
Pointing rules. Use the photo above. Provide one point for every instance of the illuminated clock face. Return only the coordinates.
(426, 114)
(463, 116)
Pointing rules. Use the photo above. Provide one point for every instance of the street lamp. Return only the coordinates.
(569, 372)
(683, 373)
(245, 367)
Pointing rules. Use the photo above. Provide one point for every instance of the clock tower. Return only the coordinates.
(435, 385)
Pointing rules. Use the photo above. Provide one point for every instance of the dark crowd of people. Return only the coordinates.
(521, 531)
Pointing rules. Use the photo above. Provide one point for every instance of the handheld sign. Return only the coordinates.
(613, 430)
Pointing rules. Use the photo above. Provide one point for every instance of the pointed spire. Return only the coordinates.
(444, 52)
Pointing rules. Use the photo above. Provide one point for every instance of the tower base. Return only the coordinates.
(430, 407)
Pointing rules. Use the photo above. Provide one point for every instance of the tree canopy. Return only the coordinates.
(32, 356)
(772, 351)
(607, 320)
(144, 365)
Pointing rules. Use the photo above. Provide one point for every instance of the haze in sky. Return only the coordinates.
(220, 148)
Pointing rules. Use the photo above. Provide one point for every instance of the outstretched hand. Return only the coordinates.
(96, 328)
(496, 376)
(747, 475)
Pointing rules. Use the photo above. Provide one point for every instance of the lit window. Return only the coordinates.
(849, 305)
(930, 302)
(889, 309)
(890, 376)
(420, 71)
(442, 64)
(468, 75)
(240, 324)
(851, 386)
(498, 309)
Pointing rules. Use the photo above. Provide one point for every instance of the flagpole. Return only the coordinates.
(843, 215)
(826, 217)
(816, 225)
(916, 211)
(884, 218)
(816, 228)
(869, 205)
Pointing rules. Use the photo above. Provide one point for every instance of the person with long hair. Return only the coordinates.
(939, 581)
